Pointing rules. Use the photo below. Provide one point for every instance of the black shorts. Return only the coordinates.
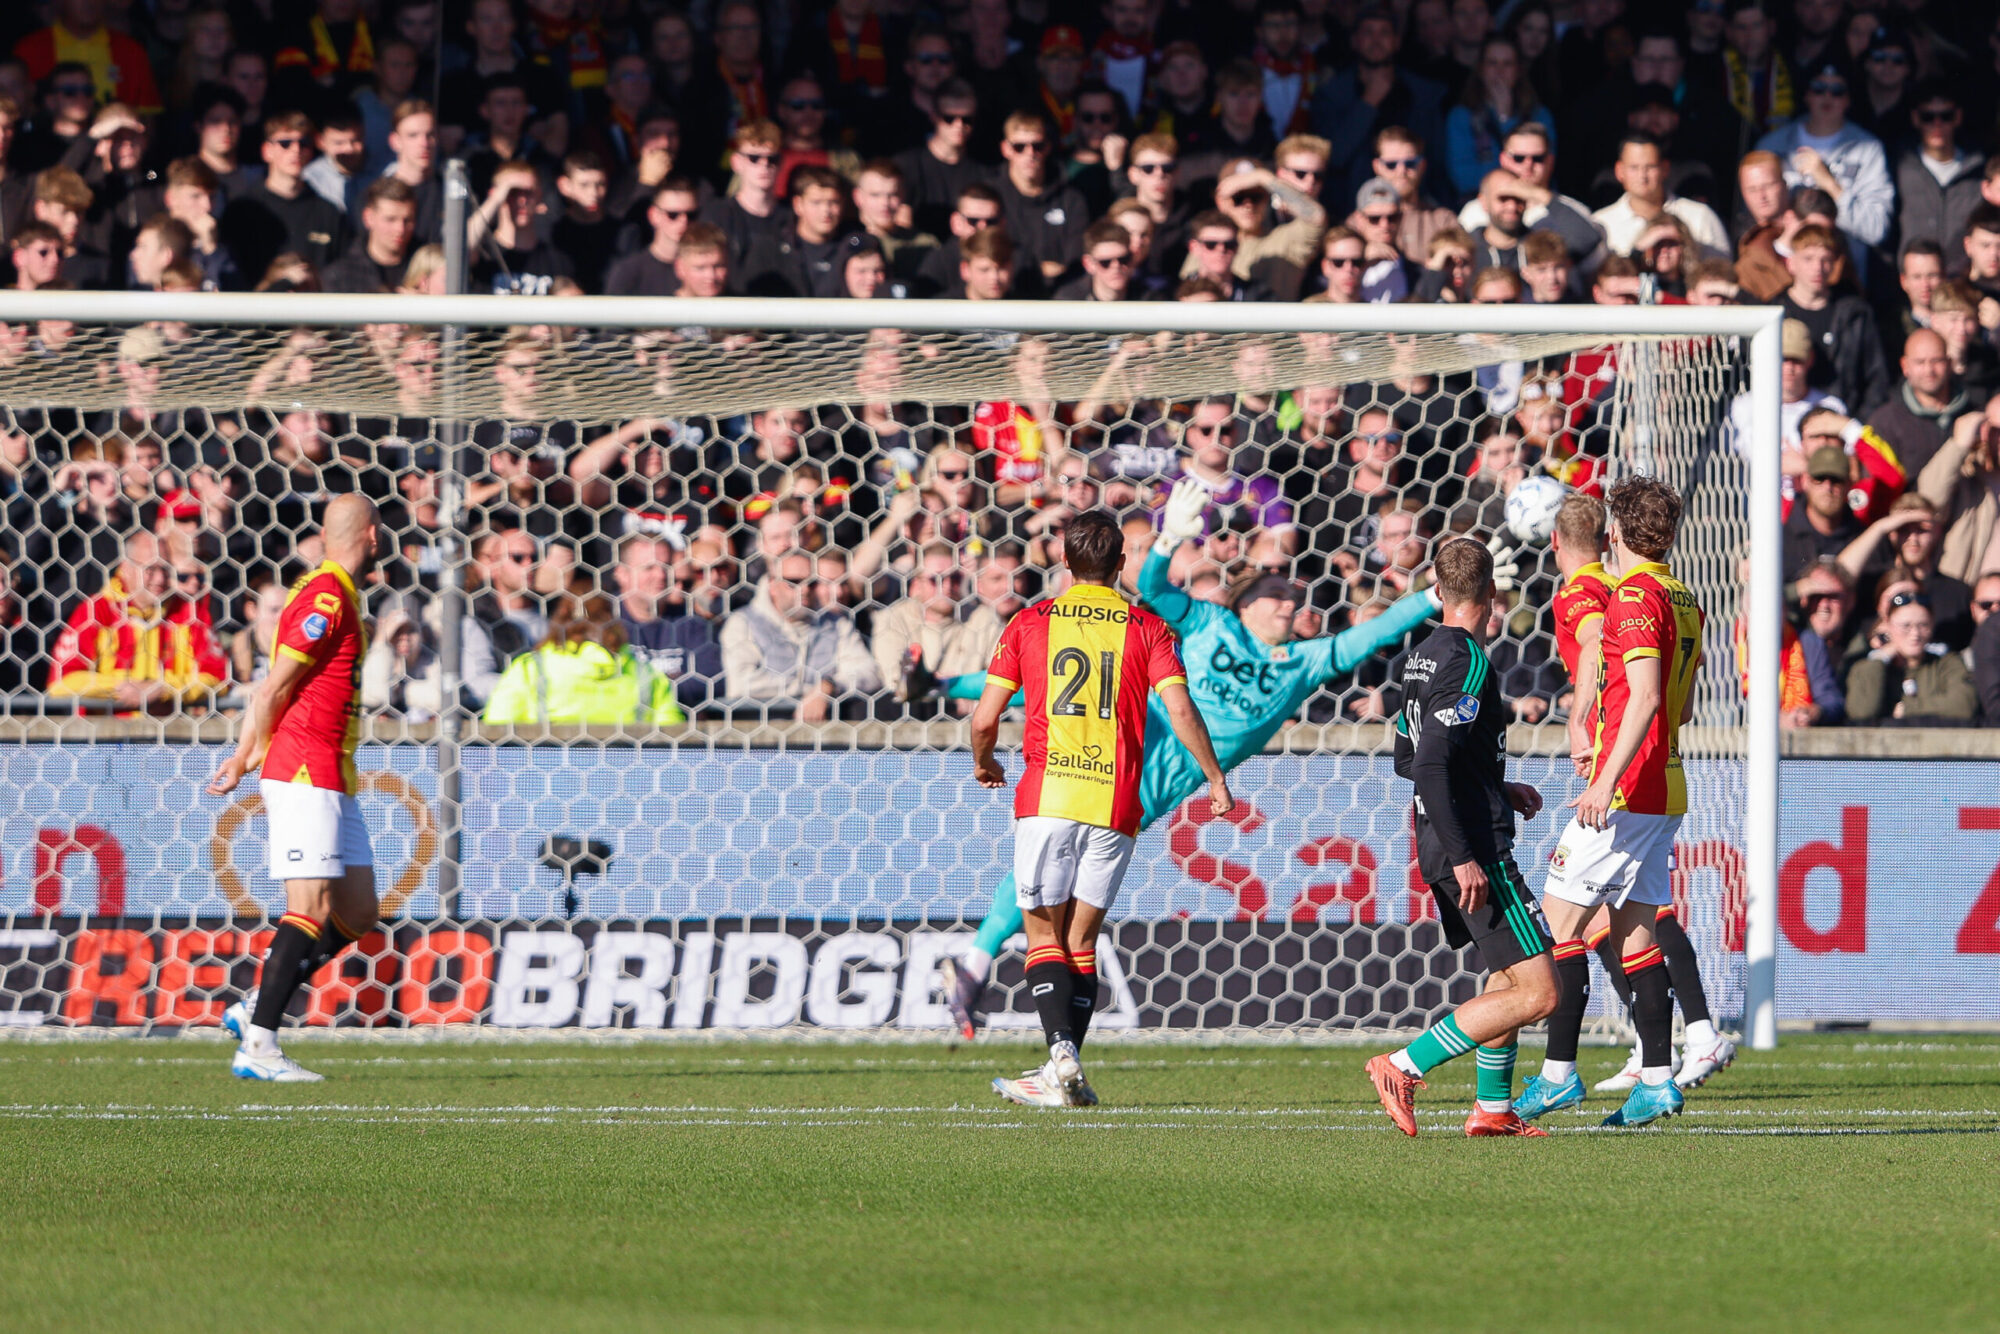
(1508, 930)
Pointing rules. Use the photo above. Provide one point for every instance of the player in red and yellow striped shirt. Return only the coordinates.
(302, 726)
(1086, 662)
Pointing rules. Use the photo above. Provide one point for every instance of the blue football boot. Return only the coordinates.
(1646, 1104)
(1538, 1095)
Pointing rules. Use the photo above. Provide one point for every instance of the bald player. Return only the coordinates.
(302, 725)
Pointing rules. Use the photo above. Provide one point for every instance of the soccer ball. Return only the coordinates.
(1531, 510)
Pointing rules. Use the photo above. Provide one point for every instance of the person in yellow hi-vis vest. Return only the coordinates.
(582, 673)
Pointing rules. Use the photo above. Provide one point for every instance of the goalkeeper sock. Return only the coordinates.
(1494, 1087)
(1050, 983)
(295, 940)
(1652, 1012)
(1565, 1026)
(1683, 970)
(1083, 993)
(1441, 1042)
(1002, 920)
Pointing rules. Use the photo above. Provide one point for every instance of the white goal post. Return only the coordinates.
(718, 360)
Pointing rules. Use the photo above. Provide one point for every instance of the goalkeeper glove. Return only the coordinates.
(1506, 571)
(1181, 519)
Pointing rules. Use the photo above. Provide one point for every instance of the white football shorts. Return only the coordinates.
(1056, 860)
(316, 833)
(1631, 859)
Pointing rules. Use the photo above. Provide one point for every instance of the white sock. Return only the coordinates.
(1491, 1105)
(1557, 1072)
(1656, 1074)
(1700, 1033)
(977, 963)
(260, 1041)
(1401, 1060)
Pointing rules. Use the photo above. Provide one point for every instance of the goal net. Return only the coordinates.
(809, 517)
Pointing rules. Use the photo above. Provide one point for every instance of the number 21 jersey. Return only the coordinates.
(1086, 663)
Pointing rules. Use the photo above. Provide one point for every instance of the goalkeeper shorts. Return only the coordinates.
(316, 833)
(1056, 860)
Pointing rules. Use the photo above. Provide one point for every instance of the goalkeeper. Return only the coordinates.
(1245, 675)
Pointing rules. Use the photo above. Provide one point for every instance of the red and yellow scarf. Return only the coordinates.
(858, 60)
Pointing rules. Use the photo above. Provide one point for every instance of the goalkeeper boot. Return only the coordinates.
(1397, 1088)
(1083, 1095)
(1482, 1123)
(1035, 1088)
(1646, 1104)
(236, 1019)
(1539, 1096)
(961, 996)
(1066, 1068)
(1626, 1079)
(271, 1066)
(1702, 1063)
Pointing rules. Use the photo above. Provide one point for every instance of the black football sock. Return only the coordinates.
(1683, 968)
(1083, 994)
(333, 938)
(295, 941)
(1051, 983)
(1565, 1026)
(1652, 1007)
(1614, 970)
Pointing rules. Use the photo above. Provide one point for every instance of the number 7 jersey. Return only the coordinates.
(1651, 615)
(1086, 663)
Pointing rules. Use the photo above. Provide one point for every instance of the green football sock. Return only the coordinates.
(1439, 1043)
(1496, 1075)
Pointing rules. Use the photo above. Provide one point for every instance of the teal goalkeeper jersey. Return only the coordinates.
(1246, 689)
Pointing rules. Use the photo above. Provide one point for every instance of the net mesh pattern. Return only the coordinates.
(803, 850)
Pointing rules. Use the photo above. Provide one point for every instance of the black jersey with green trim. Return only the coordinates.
(1451, 742)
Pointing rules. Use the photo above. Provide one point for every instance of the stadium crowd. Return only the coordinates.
(1825, 155)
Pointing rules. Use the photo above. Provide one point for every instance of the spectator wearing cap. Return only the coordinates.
(1045, 218)
(1826, 150)
(1938, 180)
(671, 631)
(809, 259)
(1848, 361)
(1352, 106)
(1277, 257)
(1888, 72)
(1825, 524)
(1642, 170)
(1528, 155)
(1059, 63)
(1985, 650)
(1908, 679)
(1963, 482)
(1389, 274)
(1917, 419)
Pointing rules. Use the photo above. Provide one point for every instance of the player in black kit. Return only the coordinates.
(1451, 742)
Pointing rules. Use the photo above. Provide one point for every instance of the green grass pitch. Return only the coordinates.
(1838, 1183)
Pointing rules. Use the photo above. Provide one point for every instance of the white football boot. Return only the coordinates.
(1705, 1062)
(270, 1066)
(236, 1019)
(1627, 1078)
(1035, 1088)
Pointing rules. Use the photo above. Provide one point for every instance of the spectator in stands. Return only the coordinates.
(1937, 180)
(1355, 105)
(1045, 217)
(1107, 266)
(671, 631)
(880, 207)
(63, 201)
(1954, 314)
(509, 236)
(80, 40)
(381, 255)
(1847, 361)
(1824, 525)
(414, 141)
(808, 258)
(1985, 650)
(36, 253)
(1826, 604)
(1824, 149)
(701, 262)
(1963, 482)
(1913, 536)
(1528, 155)
(650, 271)
(1497, 99)
(280, 215)
(582, 672)
(1906, 680)
(507, 611)
(1917, 420)
(939, 169)
(137, 644)
(1277, 257)
(788, 654)
(1642, 170)
(336, 174)
(217, 115)
(753, 211)
(1765, 219)
(939, 629)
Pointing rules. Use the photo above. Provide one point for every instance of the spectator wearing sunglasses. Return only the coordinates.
(1908, 679)
(650, 272)
(1985, 650)
(754, 210)
(1883, 99)
(1529, 156)
(1938, 179)
(1355, 108)
(1278, 257)
(1826, 150)
(937, 171)
(281, 214)
(1045, 217)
